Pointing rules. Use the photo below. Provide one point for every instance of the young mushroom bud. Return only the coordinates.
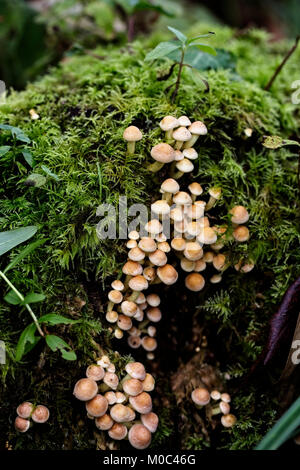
(104, 361)
(228, 420)
(200, 396)
(241, 233)
(142, 403)
(118, 333)
(136, 370)
(139, 436)
(158, 258)
(215, 194)
(216, 278)
(150, 420)
(194, 282)
(190, 154)
(95, 372)
(85, 389)
(215, 395)
(132, 135)
(196, 129)
(131, 244)
(178, 244)
(160, 207)
(151, 330)
(41, 414)
(187, 265)
(154, 227)
(207, 236)
(167, 274)
(118, 431)
(153, 300)
(147, 244)
(25, 409)
(149, 273)
(133, 235)
(134, 341)
(195, 189)
(181, 135)
(97, 406)
(167, 124)
(164, 246)
(21, 424)
(104, 423)
(129, 308)
(154, 314)
(219, 262)
(132, 268)
(161, 153)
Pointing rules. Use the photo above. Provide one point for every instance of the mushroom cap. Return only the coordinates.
(132, 134)
(154, 226)
(121, 397)
(219, 261)
(111, 380)
(131, 244)
(129, 308)
(147, 244)
(141, 298)
(138, 283)
(142, 403)
(177, 214)
(228, 420)
(185, 165)
(195, 188)
(246, 268)
(198, 128)
(133, 387)
(182, 134)
(115, 296)
(207, 236)
(160, 207)
(158, 258)
(85, 389)
(104, 361)
(150, 420)
(97, 406)
(21, 424)
(121, 413)
(215, 192)
(124, 322)
(132, 268)
(224, 407)
(170, 186)
(200, 265)
(182, 198)
(104, 423)
(178, 244)
(134, 341)
(136, 370)
(133, 235)
(154, 314)
(193, 229)
(41, 414)
(178, 155)
(118, 431)
(193, 251)
(194, 282)
(226, 397)
(95, 372)
(117, 285)
(136, 254)
(196, 211)
(239, 214)
(148, 383)
(216, 278)
(190, 153)
(200, 396)
(160, 237)
(149, 273)
(167, 274)
(168, 123)
(184, 121)
(208, 256)
(163, 153)
(164, 246)
(153, 300)
(241, 233)
(215, 395)
(187, 265)
(110, 397)
(139, 436)
(149, 343)
(25, 409)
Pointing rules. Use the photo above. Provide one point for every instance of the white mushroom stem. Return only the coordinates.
(130, 148)
(133, 296)
(126, 282)
(110, 306)
(211, 203)
(155, 167)
(167, 197)
(177, 175)
(190, 143)
(178, 144)
(169, 134)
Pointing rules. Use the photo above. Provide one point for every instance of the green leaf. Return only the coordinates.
(54, 319)
(16, 132)
(132, 6)
(28, 157)
(12, 238)
(202, 61)
(27, 250)
(4, 150)
(12, 298)
(35, 179)
(49, 172)
(190, 40)
(276, 142)
(182, 38)
(163, 49)
(33, 298)
(283, 429)
(68, 355)
(55, 343)
(205, 48)
(27, 341)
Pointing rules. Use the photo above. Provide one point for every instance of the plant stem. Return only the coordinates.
(22, 299)
(280, 66)
(130, 27)
(178, 76)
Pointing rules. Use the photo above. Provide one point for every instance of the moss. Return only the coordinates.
(84, 104)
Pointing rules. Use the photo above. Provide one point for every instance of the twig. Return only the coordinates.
(22, 299)
(130, 27)
(178, 77)
(280, 66)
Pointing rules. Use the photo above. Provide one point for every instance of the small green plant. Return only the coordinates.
(9, 240)
(181, 45)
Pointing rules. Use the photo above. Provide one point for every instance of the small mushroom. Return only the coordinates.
(241, 233)
(132, 135)
(215, 194)
(118, 431)
(41, 414)
(111, 380)
(228, 420)
(181, 135)
(183, 166)
(25, 410)
(139, 436)
(239, 215)
(95, 372)
(150, 420)
(104, 423)
(121, 413)
(148, 383)
(167, 124)
(97, 406)
(161, 153)
(194, 282)
(200, 396)
(142, 403)
(136, 370)
(149, 343)
(21, 424)
(154, 314)
(132, 387)
(197, 128)
(112, 316)
(85, 389)
(167, 274)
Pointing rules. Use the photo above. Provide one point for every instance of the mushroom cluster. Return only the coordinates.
(202, 398)
(123, 407)
(26, 412)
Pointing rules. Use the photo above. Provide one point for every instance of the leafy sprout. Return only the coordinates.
(181, 45)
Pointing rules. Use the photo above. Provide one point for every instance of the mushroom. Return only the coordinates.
(207, 236)
(104, 423)
(215, 194)
(111, 380)
(104, 361)
(215, 395)
(137, 284)
(187, 265)
(110, 397)
(149, 343)
(169, 187)
(95, 372)
(200, 265)
(154, 227)
(160, 207)
(194, 282)
(121, 413)
(161, 153)
(136, 254)
(241, 233)
(226, 397)
(114, 297)
(121, 397)
(154, 314)
(85, 389)
(112, 316)
(216, 278)
(178, 244)
(25, 409)
(150, 420)
(136, 370)
(132, 387)
(181, 135)
(21, 424)
(178, 155)
(153, 300)
(133, 235)
(190, 154)
(132, 268)
(118, 431)
(134, 341)
(142, 403)
(147, 244)
(183, 166)
(124, 322)
(148, 383)
(239, 215)
(228, 420)
(132, 135)
(195, 189)
(184, 121)
(117, 285)
(158, 258)
(182, 198)
(151, 330)
(200, 396)
(197, 128)
(193, 251)
(97, 406)
(219, 262)
(139, 436)
(167, 124)
(149, 273)
(164, 246)
(167, 274)
(41, 414)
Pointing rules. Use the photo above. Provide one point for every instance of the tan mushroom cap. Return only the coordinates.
(178, 155)
(134, 341)
(195, 188)
(148, 383)
(139, 436)
(193, 229)
(187, 265)
(215, 395)
(190, 153)
(41, 414)
(154, 227)
(184, 121)
(153, 300)
(133, 387)
(25, 409)
(149, 273)
(160, 237)
(110, 397)
(147, 244)
(124, 322)
(97, 406)
(170, 186)
(136, 370)
(154, 314)
(138, 283)
(219, 261)
(224, 407)
(132, 134)
(118, 431)
(142, 403)
(22, 425)
(207, 236)
(167, 274)
(150, 420)
(216, 278)
(160, 207)
(168, 123)
(208, 257)
(115, 296)
(198, 128)
(121, 413)
(241, 233)
(182, 134)
(121, 397)
(85, 389)
(149, 343)
(95, 372)
(163, 153)
(133, 235)
(117, 285)
(194, 282)
(193, 251)
(177, 214)
(129, 308)
(200, 265)
(185, 165)
(239, 214)
(141, 298)
(158, 258)
(182, 198)
(200, 396)
(228, 420)
(132, 268)
(131, 243)
(104, 423)
(136, 254)
(164, 246)
(111, 380)
(226, 397)
(178, 244)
